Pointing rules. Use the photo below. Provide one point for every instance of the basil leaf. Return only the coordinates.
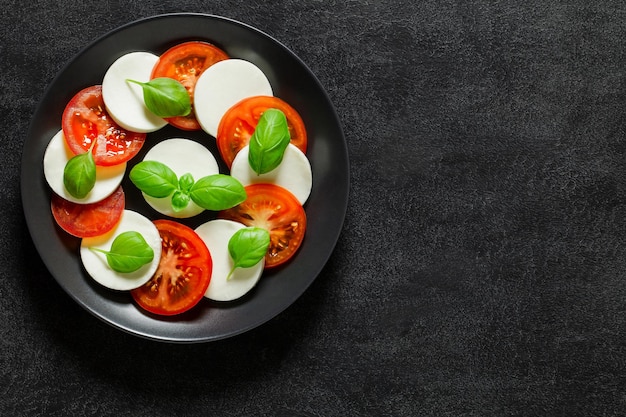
(217, 192)
(247, 247)
(180, 200)
(79, 174)
(129, 252)
(165, 97)
(269, 141)
(185, 182)
(154, 178)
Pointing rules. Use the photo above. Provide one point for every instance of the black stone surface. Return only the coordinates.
(481, 270)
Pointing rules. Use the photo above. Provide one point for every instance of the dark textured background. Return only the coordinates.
(482, 267)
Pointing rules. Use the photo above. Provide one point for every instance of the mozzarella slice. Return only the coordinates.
(216, 234)
(182, 156)
(224, 84)
(294, 172)
(96, 264)
(55, 158)
(124, 100)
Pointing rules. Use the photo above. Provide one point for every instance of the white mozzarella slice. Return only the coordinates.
(294, 172)
(182, 156)
(123, 99)
(223, 85)
(96, 264)
(55, 158)
(216, 234)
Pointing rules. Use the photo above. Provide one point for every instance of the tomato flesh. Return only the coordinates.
(86, 120)
(239, 122)
(185, 62)
(183, 274)
(88, 220)
(279, 212)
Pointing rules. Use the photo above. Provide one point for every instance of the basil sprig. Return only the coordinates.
(269, 141)
(129, 252)
(247, 247)
(165, 97)
(79, 174)
(214, 192)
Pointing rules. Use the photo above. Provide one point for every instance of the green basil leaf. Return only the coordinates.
(79, 174)
(217, 192)
(154, 178)
(165, 97)
(185, 182)
(180, 200)
(129, 252)
(269, 141)
(247, 247)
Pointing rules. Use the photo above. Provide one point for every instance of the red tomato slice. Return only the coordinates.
(183, 274)
(88, 220)
(279, 212)
(239, 122)
(185, 62)
(85, 120)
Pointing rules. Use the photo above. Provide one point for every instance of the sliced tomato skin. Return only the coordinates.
(278, 211)
(85, 120)
(185, 62)
(239, 122)
(183, 274)
(88, 220)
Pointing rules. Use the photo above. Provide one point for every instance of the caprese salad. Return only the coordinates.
(167, 266)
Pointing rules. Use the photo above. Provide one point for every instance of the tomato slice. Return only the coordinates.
(85, 120)
(239, 122)
(185, 62)
(275, 209)
(88, 220)
(183, 274)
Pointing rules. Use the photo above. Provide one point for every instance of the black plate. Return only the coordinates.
(291, 80)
